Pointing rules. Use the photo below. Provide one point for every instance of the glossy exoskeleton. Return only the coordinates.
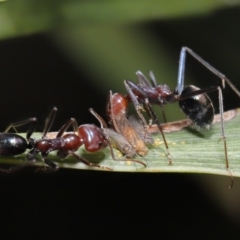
(92, 137)
(12, 144)
(193, 101)
(88, 135)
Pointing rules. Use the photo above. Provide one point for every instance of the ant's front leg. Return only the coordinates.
(129, 85)
(50, 165)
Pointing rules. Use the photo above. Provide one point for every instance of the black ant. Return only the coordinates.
(119, 140)
(193, 101)
(12, 144)
(64, 145)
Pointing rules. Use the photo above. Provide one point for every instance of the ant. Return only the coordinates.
(119, 140)
(92, 137)
(12, 144)
(88, 135)
(65, 145)
(193, 101)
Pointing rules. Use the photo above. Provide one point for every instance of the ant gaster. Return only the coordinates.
(193, 101)
(12, 144)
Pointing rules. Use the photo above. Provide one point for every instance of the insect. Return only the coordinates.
(88, 135)
(116, 110)
(64, 145)
(118, 140)
(193, 101)
(12, 144)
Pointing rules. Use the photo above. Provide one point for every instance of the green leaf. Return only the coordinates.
(191, 151)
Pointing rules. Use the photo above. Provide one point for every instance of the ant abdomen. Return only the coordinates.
(198, 108)
(12, 144)
(92, 137)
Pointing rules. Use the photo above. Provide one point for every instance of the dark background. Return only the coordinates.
(36, 75)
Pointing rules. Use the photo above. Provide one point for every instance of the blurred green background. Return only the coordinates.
(69, 54)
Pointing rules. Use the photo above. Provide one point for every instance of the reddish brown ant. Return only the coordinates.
(91, 136)
(88, 135)
(193, 101)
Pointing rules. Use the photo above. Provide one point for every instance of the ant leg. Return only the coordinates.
(181, 70)
(17, 168)
(221, 112)
(71, 121)
(87, 162)
(113, 155)
(137, 105)
(197, 92)
(98, 117)
(30, 161)
(154, 83)
(49, 121)
(223, 134)
(152, 114)
(153, 79)
(143, 80)
(21, 123)
(50, 165)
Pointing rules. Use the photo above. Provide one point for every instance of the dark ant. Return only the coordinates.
(93, 138)
(12, 144)
(118, 140)
(116, 111)
(88, 135)
(65, 145)
(193, 101)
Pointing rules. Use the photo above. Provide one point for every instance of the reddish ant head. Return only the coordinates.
(92, 137)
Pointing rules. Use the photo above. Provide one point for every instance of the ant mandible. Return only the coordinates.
(193, 101)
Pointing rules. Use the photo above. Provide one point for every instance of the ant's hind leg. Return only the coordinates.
(80, 159)
(21, 123)
(18, 167)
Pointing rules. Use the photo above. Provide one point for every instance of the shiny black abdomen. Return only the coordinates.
(12, 144)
